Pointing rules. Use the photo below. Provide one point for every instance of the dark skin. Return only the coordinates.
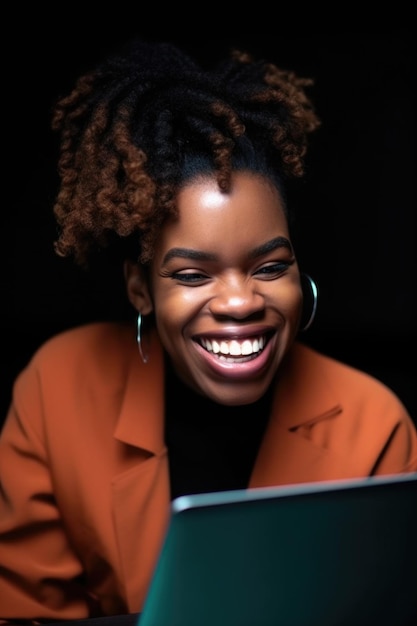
(224, 278)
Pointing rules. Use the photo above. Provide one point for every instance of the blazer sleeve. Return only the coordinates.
(39, 571)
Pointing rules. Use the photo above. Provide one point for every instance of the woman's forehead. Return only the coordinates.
(250, 214)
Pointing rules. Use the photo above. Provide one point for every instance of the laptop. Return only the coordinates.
(337, 553)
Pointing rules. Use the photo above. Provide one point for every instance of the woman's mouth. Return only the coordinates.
(234, 350)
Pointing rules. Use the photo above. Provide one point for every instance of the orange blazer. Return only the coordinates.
(84, 493)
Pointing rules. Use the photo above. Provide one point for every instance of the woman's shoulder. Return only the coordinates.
(89, 332)
(347, 379)
(76, 363)
(314, 357)
(94, 341)
(341, 406)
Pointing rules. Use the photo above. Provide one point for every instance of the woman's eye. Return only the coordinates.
(274, 269)
(189, 278)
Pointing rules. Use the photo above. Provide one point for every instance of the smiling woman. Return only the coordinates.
(204, 293)
(182, 173)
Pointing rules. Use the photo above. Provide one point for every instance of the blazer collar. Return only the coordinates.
(303, 394)
(303, 397)
(141, 420)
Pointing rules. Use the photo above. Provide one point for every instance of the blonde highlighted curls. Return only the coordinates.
(150, 118)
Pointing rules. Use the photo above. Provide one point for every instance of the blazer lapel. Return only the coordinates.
(141, 515)
(141, 493)
(287, 455)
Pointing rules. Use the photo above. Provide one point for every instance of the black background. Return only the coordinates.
(355, 233)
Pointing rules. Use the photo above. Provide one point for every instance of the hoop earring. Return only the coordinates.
(308, 282)
(139, 338)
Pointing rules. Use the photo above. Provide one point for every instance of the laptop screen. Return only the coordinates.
(319, 554)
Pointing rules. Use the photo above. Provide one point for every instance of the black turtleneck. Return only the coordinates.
(211, 447)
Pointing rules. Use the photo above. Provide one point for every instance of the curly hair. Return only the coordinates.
(149, 119)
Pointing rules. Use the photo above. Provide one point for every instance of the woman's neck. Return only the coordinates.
(177, 394)
(211, 447)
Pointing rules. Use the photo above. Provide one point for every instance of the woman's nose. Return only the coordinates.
(238, 299)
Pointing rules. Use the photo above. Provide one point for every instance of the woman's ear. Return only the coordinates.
(137, 287)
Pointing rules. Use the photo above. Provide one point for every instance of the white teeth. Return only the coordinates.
(224, 347)
(234, 347)
(247, 347)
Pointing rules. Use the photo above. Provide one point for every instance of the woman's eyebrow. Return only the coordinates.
(188, 253)
(199, 255)
(269, 246)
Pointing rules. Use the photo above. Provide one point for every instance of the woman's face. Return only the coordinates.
(226, 289)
